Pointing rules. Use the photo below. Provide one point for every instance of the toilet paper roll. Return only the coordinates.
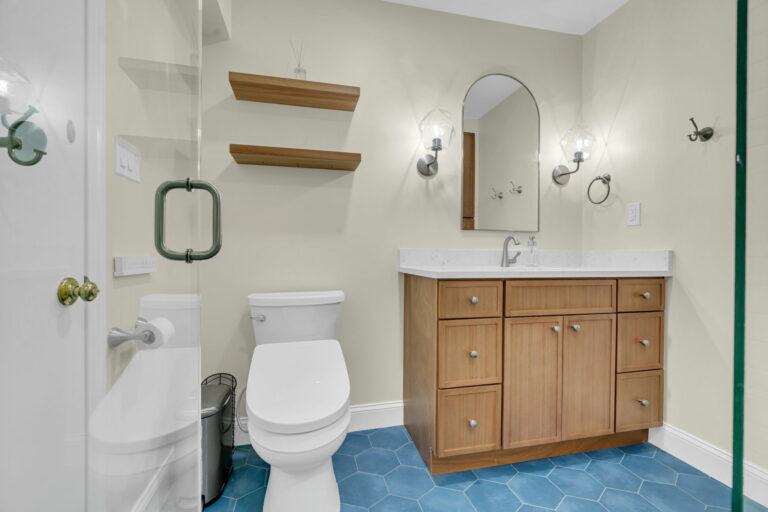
(161, 331)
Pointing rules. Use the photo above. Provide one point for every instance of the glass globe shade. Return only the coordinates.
(578, 139)
(436, 125)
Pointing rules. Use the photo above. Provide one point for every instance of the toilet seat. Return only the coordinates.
(297, 387)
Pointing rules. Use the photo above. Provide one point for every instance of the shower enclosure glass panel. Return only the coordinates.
(755, 419)
(144, 442)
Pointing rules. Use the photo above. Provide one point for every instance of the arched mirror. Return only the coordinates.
(500, 189)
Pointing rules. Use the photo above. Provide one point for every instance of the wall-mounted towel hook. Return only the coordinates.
(703, 135)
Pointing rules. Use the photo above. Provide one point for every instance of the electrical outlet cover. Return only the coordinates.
(633, 214)
(127, 160)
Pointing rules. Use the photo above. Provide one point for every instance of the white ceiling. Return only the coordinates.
(569, 16)
(487, 93)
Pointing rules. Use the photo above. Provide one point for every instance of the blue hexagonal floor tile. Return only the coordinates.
(576, 483)
(354, 444)
(642, 449)
(459, 481)
(535, 490)
(492, 497)
(669, 498)
(608, 454)
(571, 504)
(707, 490)
(498, 474)
(535, 467)
(445, 500)
(573, 460)
(377, 460)
(390, 438)
(343, 466)
(362, 489)
(245, 480)
(621, 501)
(408, 482)
(649, 469)
(408, 455)
(396, 504)
(614, 475)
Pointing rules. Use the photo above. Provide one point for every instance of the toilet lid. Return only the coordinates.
(297, 387)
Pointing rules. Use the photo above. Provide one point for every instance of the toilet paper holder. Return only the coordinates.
(141, 332)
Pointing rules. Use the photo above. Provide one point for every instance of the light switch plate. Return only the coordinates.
(127, 160)
(134, 265)
(633, 214)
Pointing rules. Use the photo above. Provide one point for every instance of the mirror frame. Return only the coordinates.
(538, 157)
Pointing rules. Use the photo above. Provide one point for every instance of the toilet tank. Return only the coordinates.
(183, 310)
(295, 316)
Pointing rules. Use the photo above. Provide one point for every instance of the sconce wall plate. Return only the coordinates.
(427, 166)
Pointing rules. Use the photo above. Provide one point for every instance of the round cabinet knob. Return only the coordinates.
(474, 354)
(644, 403)
(474, 300)
(472, 424)
(646, 295)
(576, 327)
(556, 329)
(645, 343)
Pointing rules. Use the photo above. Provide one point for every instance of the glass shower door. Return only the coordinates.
(144, 431)
(752, 428)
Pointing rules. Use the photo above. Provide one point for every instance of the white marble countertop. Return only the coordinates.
(485, 264)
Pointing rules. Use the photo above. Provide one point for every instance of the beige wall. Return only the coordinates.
(295, 229)
(508, 149)
(644, 75)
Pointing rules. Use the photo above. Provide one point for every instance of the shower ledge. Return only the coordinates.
(485, 264)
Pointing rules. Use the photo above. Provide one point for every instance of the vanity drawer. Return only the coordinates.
(640, 341)
(639, 400)
(535, 297)
(468, 420)
(469, 352)
(641, 294)
(469, 299)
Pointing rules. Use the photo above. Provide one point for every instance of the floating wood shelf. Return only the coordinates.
(288, 91)
(290, 157)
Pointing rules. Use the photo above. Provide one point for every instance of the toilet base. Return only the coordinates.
(301, 490)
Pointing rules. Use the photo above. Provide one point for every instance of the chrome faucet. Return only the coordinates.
(506, 261)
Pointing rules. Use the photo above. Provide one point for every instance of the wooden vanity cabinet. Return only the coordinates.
(502, 371)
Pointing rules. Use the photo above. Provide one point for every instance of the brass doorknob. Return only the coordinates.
(69, 290)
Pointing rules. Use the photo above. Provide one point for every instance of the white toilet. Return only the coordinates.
(298, 397)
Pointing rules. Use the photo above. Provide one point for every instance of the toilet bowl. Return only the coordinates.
(298, 397)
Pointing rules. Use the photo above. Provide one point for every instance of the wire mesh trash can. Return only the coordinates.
(218, 418)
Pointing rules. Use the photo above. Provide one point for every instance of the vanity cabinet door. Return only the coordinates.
(589, 365)
(532, 380)
(639, 400)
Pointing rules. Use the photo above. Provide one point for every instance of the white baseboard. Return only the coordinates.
(364, 417)
(710, 459)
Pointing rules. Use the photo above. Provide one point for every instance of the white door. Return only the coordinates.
(42, 240)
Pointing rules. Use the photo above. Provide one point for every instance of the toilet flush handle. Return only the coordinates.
(260, 318)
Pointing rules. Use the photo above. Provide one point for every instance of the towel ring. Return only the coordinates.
(606, 180)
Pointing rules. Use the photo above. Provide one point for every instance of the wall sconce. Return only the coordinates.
(436, 134)
(577, 144)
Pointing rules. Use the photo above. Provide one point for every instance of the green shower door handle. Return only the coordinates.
(189, 255)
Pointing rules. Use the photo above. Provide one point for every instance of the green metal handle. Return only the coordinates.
(189, 255)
